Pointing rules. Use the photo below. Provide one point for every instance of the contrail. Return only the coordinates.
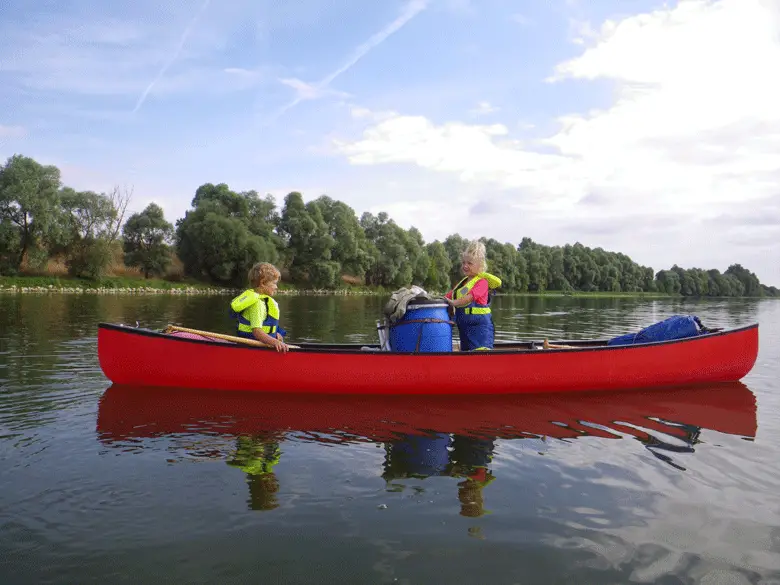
(173, 57)
(412, 9)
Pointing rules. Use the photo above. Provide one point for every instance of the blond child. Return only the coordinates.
(471, 300)
(255, 310)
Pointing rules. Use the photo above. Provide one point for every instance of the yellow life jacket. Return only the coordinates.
(256, 457)
(247, 299)
(464, 287)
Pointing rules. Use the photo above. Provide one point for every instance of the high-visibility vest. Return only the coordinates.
(464, 287)
(247, 299)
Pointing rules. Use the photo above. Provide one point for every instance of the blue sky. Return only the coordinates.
(645, 127)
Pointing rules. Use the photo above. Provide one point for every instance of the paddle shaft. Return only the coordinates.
(548, 345)
(233, 338)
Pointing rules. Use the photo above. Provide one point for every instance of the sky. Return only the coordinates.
(644, 127)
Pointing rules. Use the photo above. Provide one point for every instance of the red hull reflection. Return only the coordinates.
(423, 436)
(127, 412)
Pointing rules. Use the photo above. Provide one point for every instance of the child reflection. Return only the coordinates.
(470, 458)
(441, 454)
(256, 456)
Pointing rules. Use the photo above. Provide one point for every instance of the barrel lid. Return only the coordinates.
(424, 301)
(428, 305)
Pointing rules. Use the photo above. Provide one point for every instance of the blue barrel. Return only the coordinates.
(419, 455)
(425, 327)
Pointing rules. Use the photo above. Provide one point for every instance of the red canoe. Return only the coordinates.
(142, 357)
(127, 412)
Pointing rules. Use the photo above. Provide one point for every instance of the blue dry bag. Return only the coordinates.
(675, 327)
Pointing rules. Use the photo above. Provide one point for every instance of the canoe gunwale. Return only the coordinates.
(500, 349)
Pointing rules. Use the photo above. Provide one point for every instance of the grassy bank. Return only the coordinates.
(135, 285)
(109, 284)
(131, 285)
(597, 294)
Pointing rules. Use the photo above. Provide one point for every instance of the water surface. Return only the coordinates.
(105, 484)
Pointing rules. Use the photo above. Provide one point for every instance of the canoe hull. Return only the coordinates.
(138, 357)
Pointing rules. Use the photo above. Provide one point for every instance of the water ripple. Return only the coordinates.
(128, 484)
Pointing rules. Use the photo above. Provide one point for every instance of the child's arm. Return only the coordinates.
(479, 292)
(462, 301)
(275, 342)
(256, 315)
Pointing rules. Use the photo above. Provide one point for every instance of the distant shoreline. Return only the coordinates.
(138, 286)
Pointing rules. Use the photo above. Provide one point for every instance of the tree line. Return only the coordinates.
(320, 244)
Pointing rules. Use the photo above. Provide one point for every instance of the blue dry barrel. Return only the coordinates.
(419, 455)
(425, 327)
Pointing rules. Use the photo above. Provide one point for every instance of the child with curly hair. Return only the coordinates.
(255, 310)
(471, 300)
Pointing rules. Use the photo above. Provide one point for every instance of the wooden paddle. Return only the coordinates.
(233, 338)
(547, 345)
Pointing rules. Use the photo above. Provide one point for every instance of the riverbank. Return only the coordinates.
(597, 294)
(108, 285)
(118, 285)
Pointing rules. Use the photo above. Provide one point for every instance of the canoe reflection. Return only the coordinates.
(423, 436)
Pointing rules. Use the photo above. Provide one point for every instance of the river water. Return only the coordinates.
(117, 485)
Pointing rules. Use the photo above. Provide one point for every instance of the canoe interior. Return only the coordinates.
(504, 346)
(498, 346)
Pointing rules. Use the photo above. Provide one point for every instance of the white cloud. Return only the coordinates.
(483, 108)
(358, 112)
(241, 72)
(694, 130)
(473, 152)
(581, 32)
(521, 19)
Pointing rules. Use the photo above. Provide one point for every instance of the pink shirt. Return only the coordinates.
(479, 292)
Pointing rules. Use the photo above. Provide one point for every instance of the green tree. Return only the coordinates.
(309, 242)
(89, 224)
(225, 234)
(750, 283)
(146, 237)
(320, 243)
(29, 201)
(394, 252)
(439, 267)
(455, 244)
(668, 281)
(350, 246)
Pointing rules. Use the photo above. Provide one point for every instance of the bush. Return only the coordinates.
(89, 259)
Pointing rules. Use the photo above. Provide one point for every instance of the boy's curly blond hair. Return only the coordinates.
(263, 273)
(476, 253)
